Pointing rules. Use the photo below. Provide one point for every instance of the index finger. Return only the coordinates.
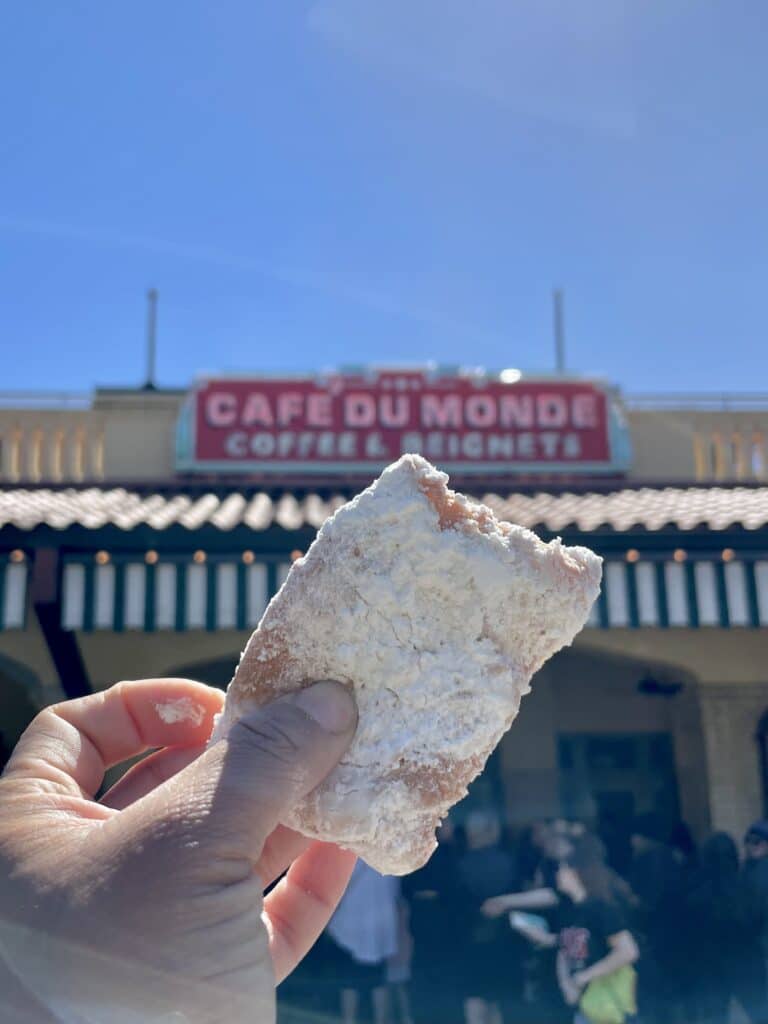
(73, 743)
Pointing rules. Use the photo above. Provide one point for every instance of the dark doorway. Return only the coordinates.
(607, 779)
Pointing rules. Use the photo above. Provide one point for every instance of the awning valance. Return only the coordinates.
(225, 592)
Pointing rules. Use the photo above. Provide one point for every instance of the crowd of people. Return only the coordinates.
(553, 925)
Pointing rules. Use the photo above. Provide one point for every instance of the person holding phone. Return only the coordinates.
(595, 949)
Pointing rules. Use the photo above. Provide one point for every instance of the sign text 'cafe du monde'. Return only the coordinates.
(362, 420)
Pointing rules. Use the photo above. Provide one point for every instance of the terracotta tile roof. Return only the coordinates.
(622, 509)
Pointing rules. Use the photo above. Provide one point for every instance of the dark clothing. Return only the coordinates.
(723, 931)
(656, 879)
(546, 873)
(439, 945)
(487, 872)
(493, 964)
(584, 930)
(756, 969)
(756, 879)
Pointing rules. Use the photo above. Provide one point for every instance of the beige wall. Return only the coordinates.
(711, 655)
(123, 436)
(731, 715)
(129, 435)
(140, 434)
(688, 444)
(110, 657)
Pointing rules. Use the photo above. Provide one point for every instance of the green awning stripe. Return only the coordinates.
(89, 591)
(181, 601)
(634, 615)
(722, 596)
(693, 607)
(118, 617)
(661, 595)
(150, 598)
(212, 584)
(272, 587)
(241, 596)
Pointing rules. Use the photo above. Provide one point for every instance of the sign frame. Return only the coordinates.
(617, 439)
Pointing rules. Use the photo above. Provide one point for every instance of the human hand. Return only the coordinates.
(571, 992)
(494, 907)
(148, 904)
(580, 980)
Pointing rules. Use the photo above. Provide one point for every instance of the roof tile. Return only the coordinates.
(622, 509)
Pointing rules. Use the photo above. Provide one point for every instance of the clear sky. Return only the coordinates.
(312, 183)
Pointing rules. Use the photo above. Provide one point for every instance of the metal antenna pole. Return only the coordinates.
(151, 337)
(557, 299)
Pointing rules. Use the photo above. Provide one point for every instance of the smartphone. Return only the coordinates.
(520, 921)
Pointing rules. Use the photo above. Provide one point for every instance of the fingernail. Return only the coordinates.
(330, 704)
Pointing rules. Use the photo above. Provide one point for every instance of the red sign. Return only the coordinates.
(476, 424)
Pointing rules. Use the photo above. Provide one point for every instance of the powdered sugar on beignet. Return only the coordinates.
(437, 615)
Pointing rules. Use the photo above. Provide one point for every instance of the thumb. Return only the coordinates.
(272, 757)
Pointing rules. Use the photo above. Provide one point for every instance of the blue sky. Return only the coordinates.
(312, 183)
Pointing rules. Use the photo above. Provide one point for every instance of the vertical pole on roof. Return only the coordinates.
(557, 310)
(151, 338)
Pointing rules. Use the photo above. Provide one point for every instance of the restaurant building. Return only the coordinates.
(143, 531)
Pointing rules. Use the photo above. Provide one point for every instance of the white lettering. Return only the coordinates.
(472, 445)
(454, 446)
(263, 444)
(516, 411)
(552, 410)
(359, 410)
(526, 447)
(584, 411)
(480, 411)
(501, 446)
(375, 447)
(319, 413)
(434, 444)
(441, 411)
(236, 445)
(325, 444)
(394, 410)
(550, 442)
(220, 409)
(572, 446)
(305, 444)
(411, 442)
(347, 444)
(290, 406)
(286, 441)
(257, 411)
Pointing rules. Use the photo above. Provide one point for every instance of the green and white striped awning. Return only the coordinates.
(178, 594)
(692, 592)
(225, 592)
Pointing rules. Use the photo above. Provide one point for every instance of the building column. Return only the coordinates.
(730, 715)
